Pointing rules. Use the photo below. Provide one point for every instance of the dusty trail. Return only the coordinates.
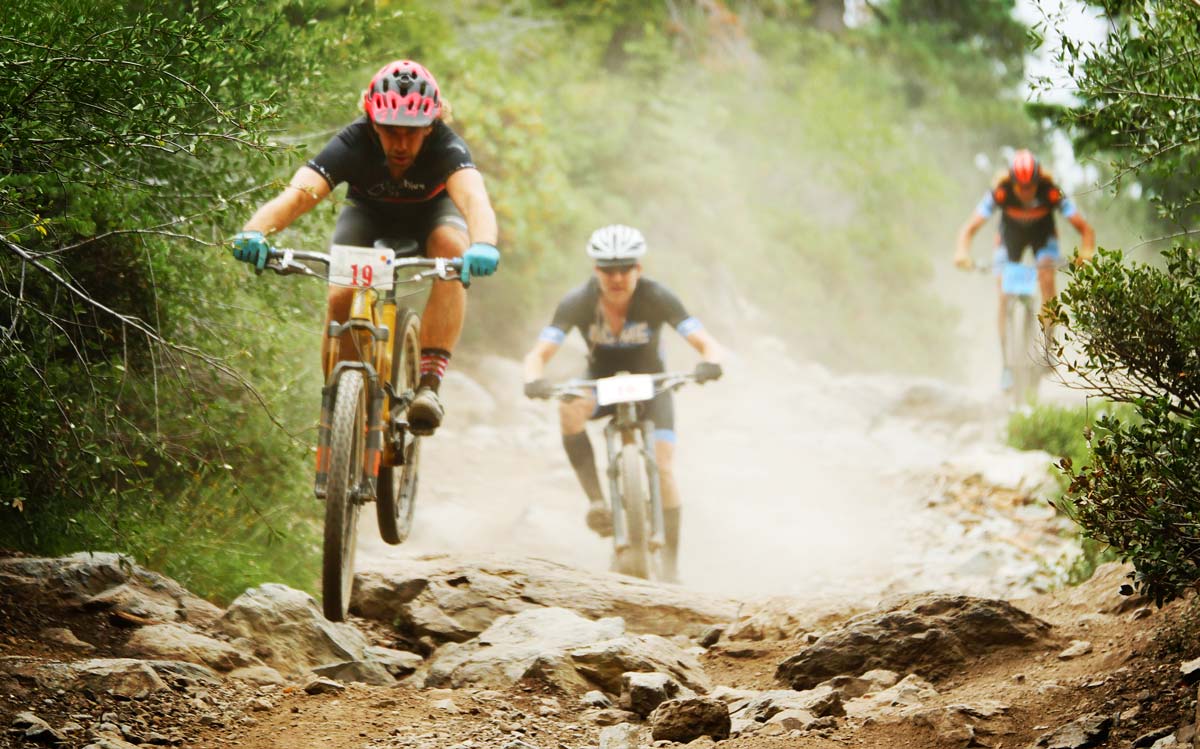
(797, 482)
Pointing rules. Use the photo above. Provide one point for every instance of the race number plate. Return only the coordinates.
(624, 389)
(365, 267)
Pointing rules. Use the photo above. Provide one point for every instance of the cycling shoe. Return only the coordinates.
(599, 518)
(425, 412)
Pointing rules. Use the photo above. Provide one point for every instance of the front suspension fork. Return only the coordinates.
(615, 439)
(365, 490)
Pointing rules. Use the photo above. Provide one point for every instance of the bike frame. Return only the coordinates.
(625, 428)
(368, 307)
(364, 323)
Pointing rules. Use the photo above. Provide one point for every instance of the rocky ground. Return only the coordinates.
(492, 652)
(818, 520)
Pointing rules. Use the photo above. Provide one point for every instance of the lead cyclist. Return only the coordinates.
(1027, 197)
(411, 178)
(620, 314)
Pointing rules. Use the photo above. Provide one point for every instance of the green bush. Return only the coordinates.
(129, 337)
(1138, 328)
(1062, 431)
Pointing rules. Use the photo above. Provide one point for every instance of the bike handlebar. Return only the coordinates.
(582, 388)
(283, 262)
(990, 267)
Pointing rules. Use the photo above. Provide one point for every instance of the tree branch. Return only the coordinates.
(140, 326)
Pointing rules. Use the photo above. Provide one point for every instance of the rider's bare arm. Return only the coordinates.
(535, 360)
(306, 189)
(708, 347)
(1087, 237)
(469, 194)
(962, 249)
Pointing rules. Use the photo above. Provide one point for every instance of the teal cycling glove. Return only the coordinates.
(251, 247)
(480, 259)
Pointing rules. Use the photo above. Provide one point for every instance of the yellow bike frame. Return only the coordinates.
(367, 308)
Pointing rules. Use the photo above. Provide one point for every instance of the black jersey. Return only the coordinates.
(1026, 224)
(355, 156)
(636, 348)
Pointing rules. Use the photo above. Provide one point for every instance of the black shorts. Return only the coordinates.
(1016, 237)
(361, 226)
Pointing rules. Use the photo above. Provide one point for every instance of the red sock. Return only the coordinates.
(433, 366)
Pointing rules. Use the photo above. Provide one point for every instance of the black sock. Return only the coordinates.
(583, 460)
(671, 528)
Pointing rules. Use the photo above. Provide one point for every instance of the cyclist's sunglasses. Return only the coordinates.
(615, 270)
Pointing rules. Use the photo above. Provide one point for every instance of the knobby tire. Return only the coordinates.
(635, 559)
(348, 440)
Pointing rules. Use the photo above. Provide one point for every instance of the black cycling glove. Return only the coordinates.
(708, 370)
(538, 388)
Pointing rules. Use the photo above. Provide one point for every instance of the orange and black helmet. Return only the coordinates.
(1024, 169)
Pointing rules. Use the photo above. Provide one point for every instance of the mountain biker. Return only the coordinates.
(1027, 197)
(619, 314)
(410, 178)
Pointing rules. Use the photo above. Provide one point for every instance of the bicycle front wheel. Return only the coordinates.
(348, 441)
(1024, 351)
(396, 492)
(635, 501)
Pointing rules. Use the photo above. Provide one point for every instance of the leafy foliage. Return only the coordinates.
(1139, 496)
(1136, 326)
(1138, 101)
(1138, 330)
(1062, 431)
(121, 128)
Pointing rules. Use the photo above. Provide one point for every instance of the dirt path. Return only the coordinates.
(795, 482)
(1034, 691)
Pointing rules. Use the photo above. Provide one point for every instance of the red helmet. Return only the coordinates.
(402, 93)
(1024, 169)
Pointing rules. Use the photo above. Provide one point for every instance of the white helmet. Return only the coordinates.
(616, 244)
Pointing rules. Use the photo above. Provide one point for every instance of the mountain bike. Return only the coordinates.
(634, 493)
(365, 449)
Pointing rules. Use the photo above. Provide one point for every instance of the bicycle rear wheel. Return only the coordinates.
(348, 440)
(635, 500)
(396, 492)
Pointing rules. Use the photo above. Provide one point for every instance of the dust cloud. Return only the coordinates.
(797, 479)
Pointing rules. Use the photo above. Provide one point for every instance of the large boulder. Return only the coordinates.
(531, 644)
(763, 706)
(642, 692)
(603, 663)
(102, 580)
(286, 629)
(900, 699)
(365, 672)
(182, 643)
(123, 677)
(929, 635)
(686, 719)
(453, 599)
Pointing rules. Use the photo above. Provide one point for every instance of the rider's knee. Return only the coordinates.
(337, 302)
(446, 241)
(573, 415)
